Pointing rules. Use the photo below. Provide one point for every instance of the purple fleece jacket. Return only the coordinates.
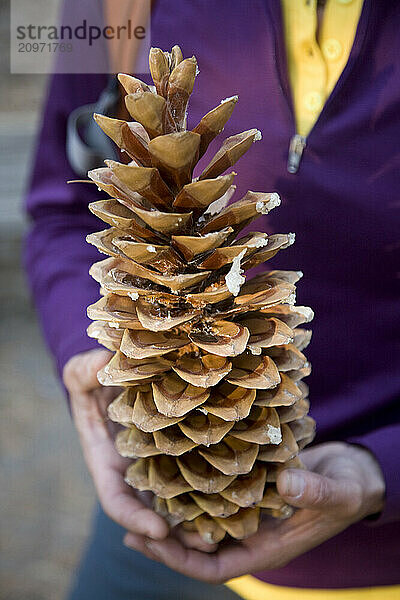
(343, 205)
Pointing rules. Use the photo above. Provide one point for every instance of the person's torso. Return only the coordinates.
(342, 203)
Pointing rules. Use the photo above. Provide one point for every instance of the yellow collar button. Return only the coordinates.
(332, 49)
(313, 101)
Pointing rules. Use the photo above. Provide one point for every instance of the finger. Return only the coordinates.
(264, 550)
(189, 539)
(232, 560)
(192, 539)
(119, 501)
(143, 544)
(116, 497)
(305, 489)
(139, 543)
(80, 372)
(107, 469)
(173, 553)
(120, 504)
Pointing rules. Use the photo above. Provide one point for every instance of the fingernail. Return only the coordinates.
(294, 484)
(153, 549)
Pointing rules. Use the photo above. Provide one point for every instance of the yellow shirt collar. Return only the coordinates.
(314, 66)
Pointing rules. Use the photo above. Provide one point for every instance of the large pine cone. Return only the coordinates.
(213, 406)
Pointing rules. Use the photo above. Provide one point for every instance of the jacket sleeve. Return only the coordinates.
(57, 258)
(384, 443)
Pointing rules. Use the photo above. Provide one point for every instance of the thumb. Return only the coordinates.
(80, 372)
(305, 489)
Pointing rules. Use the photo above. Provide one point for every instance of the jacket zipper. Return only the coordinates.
(297, 142)
(296, 149)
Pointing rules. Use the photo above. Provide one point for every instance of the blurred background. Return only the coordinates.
(46, 495)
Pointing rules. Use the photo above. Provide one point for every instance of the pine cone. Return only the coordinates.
(213, 406)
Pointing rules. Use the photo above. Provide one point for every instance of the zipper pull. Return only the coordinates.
(296, 148)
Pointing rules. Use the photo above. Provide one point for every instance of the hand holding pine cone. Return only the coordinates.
(213, 406)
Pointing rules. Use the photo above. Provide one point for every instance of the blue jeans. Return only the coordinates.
(110, 571)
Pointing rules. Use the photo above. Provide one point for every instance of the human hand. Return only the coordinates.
(89, 402)
(344, 484)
